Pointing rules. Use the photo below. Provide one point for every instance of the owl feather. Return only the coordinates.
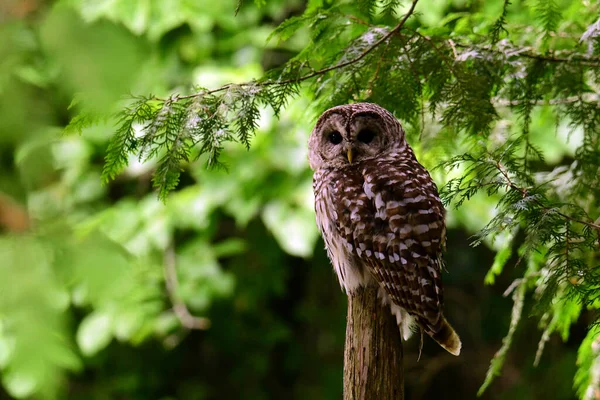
(380, 215)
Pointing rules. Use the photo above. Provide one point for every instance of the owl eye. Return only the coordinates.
(365, 136)
(335, 137)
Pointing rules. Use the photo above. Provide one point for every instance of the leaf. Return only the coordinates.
(6, 350)
(294, 230)
(564, 314)
(500, 261)
(95, 332)
(127, 323)
(586, 380)
(122, 142)
(19, 385)
(229, 247)
(153, 18)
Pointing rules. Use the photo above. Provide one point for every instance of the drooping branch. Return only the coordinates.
(320, 72)
(511, 185)
(528, 52)
(521, 52)
(587, 97)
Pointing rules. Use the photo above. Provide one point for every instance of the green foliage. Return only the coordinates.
(364, 51)
(498, 27)
(58, 271)
(500, 261)
(512, 121)
(461, 79)
(557, 233)
(172, 129)
(587, 379)
(548, 13)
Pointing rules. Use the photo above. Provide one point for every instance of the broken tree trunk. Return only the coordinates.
(373, 352)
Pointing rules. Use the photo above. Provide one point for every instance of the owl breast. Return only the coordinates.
(351, 272)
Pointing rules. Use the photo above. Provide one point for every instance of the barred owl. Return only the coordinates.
(380, 216)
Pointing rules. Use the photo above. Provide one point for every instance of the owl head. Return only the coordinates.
(349, 134)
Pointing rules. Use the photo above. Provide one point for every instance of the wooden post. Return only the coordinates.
(373, 353)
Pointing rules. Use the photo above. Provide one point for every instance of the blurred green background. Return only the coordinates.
(84, 309)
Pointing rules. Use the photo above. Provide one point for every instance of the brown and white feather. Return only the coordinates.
(381, 217)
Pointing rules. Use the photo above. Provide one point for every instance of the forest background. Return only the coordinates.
(130, 270)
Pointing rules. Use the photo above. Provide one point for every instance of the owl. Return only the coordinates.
(380, 216)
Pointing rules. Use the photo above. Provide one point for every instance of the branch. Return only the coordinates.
(447, 60)
(589, 61)
(528, 52)
(411, 65)
(313, 74)
(588, 97)
(376, 74)
(183, 314)
(525, 193)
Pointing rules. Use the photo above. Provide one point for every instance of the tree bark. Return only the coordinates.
(373, 353)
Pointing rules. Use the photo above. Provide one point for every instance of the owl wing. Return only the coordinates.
(395, 225)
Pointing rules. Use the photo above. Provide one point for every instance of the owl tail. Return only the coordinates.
(447, 338)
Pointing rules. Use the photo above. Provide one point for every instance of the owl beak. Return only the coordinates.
(350, 155)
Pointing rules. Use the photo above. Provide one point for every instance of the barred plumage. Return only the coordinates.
(380, 215)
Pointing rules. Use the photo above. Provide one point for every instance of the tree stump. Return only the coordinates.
(373, 352)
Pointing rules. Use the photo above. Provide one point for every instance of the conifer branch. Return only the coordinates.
(378, 68)
(575, 58)
(528, 52)
(588, 97)
(498, 27)
(320, 72)
(524, 192)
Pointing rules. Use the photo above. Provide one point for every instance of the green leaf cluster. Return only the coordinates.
(468, 81)
(502, 96)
